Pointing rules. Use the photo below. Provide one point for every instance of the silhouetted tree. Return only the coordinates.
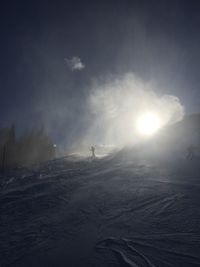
(33, 146)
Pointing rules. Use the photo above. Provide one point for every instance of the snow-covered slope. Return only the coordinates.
(108, 212)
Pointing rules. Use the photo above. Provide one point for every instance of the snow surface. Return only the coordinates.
(107, 212)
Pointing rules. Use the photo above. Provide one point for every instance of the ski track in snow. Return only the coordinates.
(101, 213)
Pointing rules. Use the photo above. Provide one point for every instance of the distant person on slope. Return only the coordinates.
(93, 152)
(190, 152)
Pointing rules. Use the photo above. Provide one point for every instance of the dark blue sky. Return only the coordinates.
(157, 40)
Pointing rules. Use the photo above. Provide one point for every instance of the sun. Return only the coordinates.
(148, 124)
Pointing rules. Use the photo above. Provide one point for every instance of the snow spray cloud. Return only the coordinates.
(116, 104)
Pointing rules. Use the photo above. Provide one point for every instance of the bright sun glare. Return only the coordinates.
(148, 124)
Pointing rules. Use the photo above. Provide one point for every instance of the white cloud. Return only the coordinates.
(75, 63)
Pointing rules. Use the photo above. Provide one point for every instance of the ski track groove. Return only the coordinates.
(50, 186)
(126, 250)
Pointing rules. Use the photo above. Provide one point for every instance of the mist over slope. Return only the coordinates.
(126, 209)
(168, 144)
(188, 129)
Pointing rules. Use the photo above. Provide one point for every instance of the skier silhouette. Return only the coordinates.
(93, 152)
(190, 152)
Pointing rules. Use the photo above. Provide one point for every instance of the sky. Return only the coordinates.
(54, 54)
